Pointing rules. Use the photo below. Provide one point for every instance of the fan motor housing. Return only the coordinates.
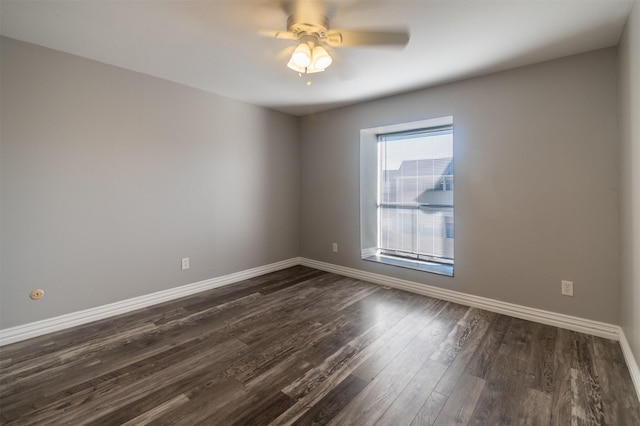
(319, 27)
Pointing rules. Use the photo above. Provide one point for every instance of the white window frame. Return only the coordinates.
(369, 190)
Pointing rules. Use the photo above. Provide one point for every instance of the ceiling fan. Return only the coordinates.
(308, 25)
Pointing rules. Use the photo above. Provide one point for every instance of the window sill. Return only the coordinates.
(419, 265)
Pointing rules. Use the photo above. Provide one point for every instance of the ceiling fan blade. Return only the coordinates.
(352, 38)
(284, 35)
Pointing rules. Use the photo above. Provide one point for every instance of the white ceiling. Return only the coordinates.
(214, 45)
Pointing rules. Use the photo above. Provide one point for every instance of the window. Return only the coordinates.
(407, 195)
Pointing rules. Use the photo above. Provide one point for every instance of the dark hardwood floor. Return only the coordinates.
(304, 347)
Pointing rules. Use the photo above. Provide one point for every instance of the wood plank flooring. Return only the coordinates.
(306, 347)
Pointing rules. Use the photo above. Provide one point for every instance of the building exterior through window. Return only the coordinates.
(415, 201)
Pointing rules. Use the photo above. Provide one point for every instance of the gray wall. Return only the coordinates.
(536, 183)
(109, 177)
(629, 89)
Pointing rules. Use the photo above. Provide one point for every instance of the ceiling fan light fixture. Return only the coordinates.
(312, 70)
(309, 57)
(301, 57)
(296, 68)
(321, 59)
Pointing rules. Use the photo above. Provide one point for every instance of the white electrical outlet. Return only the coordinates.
(335, 247)
(567, 288)
(185, 263)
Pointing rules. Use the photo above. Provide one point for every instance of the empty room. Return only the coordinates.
(246, 212)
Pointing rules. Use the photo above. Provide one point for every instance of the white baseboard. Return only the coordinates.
(39, 328)
(600, 329)
(632, 365)
(595, 328)
(568, 322)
